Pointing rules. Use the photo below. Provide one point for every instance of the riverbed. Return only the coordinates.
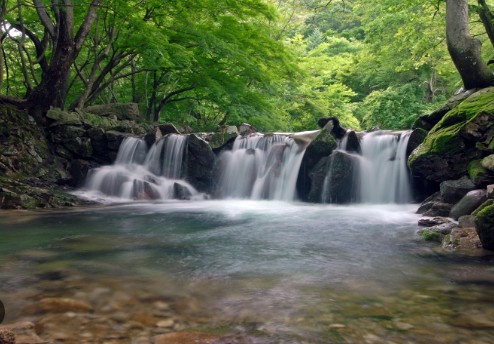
(241, 272)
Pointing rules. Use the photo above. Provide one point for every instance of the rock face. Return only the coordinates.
(340, 178)
(465, 133)
(322, 146)
(454, 190)
(199, 164)
(468, 203)
(122, 111)
(484, 224)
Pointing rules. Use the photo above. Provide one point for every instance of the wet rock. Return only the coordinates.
(484, 223)
(340, 179)
(416, 138)
(7, 336)
(199, 164)
(478, 174)
(488, 162)
(321, 147)
(166, 129)
(468, 203)
(353, 143)
(454, 190)
(443, 229)
(24, 332)
(316, 178)
(490, 191)
(78, 170)
(181, 192)
(434, 205)
(122, 111)
(246, 129)
(465, 240)
(58, 305)
(466, 221)
(62, 117)
(434, 221)
(186, 338)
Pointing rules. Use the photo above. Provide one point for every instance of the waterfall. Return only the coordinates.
(139, 174)
(261, 167)
(384, 175)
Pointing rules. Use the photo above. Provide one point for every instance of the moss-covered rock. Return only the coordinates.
(451, 144)
(479, 175)
(484, 224)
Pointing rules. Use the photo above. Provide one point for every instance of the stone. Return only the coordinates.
(7, 336)
(433, 206)
(484, 223)
(332, 125)
(167, 128)
(466, 221)
(246, 129)
(58, 305)
(198, 164)
(167, 323)
(316, 179)
(186, 338)
(488, 162)
(490, 191)
(479, 175)
(434, 221)
(321, 147)
(416, 138)
(453, 190)
(451, 144)
(123, 111)
(61, 117)
(463, 240)
(181, 192)
(115, 138)
(468, 203)
(340, 184)
(78, 170)
(353, 143)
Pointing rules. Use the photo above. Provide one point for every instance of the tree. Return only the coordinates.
(465, 50)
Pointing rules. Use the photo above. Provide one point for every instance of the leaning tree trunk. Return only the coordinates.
(463, 48)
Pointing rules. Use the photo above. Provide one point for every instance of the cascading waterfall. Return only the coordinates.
(384, 176)
(378, 175)
(261, 167)
(139, 174)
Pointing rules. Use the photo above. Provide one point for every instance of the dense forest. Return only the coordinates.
(279, 65)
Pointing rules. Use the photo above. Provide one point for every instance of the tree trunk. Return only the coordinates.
(463, 48)
(487, 19)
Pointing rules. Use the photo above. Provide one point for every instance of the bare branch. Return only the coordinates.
(45, 18)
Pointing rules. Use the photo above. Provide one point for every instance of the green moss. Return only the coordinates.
(445, 136)
(477, 172)
(431, 235)
(487, 203)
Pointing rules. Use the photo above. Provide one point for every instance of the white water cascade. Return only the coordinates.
(384, 175)
(261, 167)
(143, 175)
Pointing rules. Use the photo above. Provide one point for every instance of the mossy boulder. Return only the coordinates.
(451, 144)
(484, 224)
(479, 175)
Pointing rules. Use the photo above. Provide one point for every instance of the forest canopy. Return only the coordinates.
(201, 64)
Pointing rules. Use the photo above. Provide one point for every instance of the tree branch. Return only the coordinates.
(86, 25)
(45, 18)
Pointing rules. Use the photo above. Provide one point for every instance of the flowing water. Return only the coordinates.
(261, 271)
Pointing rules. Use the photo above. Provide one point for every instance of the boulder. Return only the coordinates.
(167, 128)
(434, 205)
(78, 170)
(454, 190)
(466, 221)
(353, 143)
(246, 129)
(484, 223)
(123, 111)
(332, 124)
(322, 146)
(468, 203)
(488, 163)
(451, 144)
(339, 185)
(181, 192)
(479, 175)
(416, 138)
(198, 164)
(433, 221)
(490, 191)
(61, 117)
(316, 178)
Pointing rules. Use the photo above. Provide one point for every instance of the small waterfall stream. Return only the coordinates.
(378, 175)
(261, 167)
(141, 174)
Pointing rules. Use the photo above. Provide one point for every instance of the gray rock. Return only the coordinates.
(246, 129)
(181, 192)
(490, 191)
(199, 163)
(488, 162)
(167, 128)
(64, 117)
(433, 221)
(453, 190)
(316, 179)
(468, 203)
(416, 138)
(353, 143)
(123, 111)
(484, 223)
(434, 205)
(466, 221)
(340, 182)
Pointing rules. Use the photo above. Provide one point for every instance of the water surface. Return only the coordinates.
(274, 271)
